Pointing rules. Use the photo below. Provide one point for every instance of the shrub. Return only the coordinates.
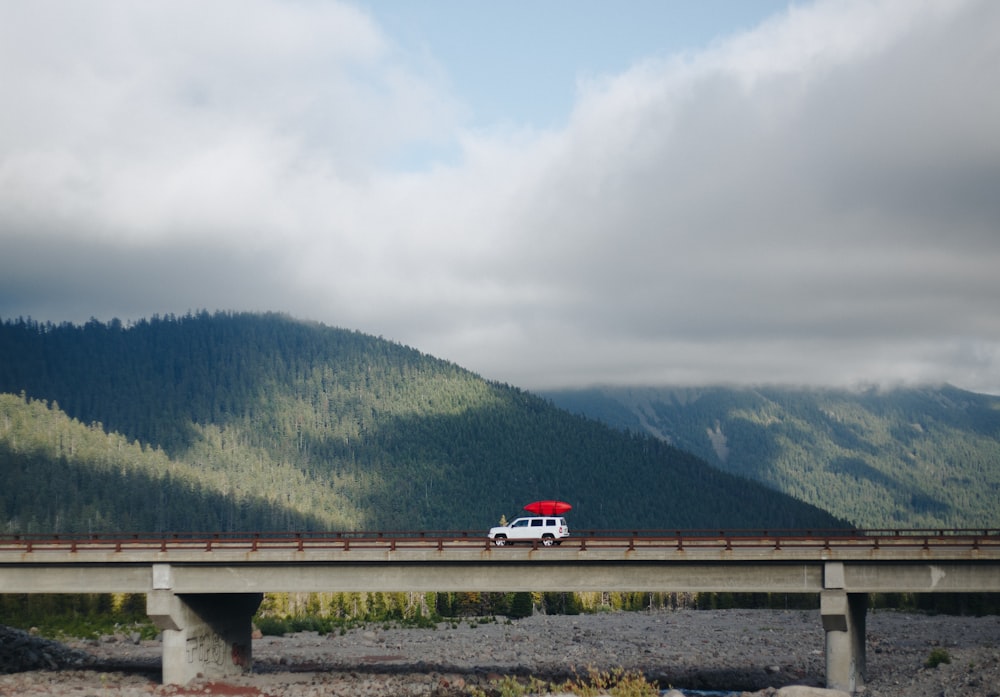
(937, 657)
(617, 682)
(271, 626)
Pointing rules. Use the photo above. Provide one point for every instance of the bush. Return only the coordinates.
(937, 657)
(271, 626)
(617, 683)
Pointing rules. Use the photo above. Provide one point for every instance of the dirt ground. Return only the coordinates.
(738, 650)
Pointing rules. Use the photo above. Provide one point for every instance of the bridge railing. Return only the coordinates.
(788, 539)
(581, 539)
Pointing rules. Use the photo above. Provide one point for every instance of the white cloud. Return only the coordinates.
(157, 118)
(811, 201)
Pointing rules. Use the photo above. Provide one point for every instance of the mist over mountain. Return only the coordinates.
(906, 457)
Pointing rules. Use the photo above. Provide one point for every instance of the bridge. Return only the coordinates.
(202, 590)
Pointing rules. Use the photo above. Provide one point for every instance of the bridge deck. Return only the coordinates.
(871, 561)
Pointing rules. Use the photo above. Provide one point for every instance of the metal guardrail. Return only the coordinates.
(974, 538)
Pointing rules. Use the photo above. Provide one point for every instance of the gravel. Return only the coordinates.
(740, 650)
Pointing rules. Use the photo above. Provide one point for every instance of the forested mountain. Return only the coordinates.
(249, 421)
(926, 457)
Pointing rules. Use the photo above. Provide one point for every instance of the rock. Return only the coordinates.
(807, 691)
(21, 651)
(706, 650)
(451, 681)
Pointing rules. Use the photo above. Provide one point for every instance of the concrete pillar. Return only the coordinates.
(844, 622)
(204, 635)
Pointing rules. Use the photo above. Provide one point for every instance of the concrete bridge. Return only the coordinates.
(202, 590)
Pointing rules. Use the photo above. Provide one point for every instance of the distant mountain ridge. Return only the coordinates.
(238, 421)
(906, 457)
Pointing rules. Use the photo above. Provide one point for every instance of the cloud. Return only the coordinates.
(826, 203)
(811, 201)
(162, 118)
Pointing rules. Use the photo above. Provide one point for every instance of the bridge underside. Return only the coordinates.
(250, 577)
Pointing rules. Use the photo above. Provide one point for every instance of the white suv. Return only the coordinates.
(547, 529)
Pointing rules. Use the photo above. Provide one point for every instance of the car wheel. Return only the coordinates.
(548, 541)
(499, 540)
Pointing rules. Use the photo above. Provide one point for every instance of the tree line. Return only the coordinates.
(93, 615)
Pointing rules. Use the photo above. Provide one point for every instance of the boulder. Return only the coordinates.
(808, 691)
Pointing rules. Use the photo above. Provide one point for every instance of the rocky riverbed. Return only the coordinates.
(739, 650)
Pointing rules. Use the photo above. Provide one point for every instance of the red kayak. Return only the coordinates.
(548, 507)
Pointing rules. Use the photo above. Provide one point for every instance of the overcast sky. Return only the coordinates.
(551, 194)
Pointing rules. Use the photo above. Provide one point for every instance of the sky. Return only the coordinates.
(552, 194)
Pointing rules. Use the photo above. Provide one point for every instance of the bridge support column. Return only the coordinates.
(204, 635)
(844, 622)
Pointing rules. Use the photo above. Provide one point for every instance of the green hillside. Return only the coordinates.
(926, 457)
(248, 421)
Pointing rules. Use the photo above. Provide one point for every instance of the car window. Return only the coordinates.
(523, 523)
(551, 523)
(536, 523)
